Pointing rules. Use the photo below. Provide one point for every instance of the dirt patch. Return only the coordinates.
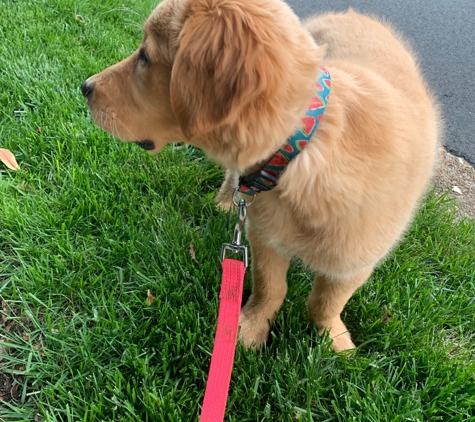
(454, 174)
(8, 388)
(11, 324)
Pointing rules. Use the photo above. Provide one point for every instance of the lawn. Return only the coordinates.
(91, 228)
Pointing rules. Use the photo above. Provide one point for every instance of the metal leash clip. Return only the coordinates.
(236, 246)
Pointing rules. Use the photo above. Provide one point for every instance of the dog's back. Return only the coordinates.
(372, 44)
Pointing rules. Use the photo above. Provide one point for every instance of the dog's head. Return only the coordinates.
(203, 67)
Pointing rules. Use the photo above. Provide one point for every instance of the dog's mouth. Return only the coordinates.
(147, 145)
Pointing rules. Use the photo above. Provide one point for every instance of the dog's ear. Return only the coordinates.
(221, 65)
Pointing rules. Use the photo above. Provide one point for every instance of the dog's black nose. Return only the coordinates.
(87, 89)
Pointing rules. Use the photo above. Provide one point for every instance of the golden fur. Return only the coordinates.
(234, 77)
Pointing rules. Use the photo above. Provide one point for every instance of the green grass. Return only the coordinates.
(90, 224)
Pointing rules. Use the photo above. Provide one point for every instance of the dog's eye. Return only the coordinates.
(143, 57)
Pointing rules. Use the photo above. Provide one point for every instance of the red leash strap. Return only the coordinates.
(219, 377)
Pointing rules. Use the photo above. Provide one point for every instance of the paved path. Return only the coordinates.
(443, 36)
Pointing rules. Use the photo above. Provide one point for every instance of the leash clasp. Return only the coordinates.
(235, 246)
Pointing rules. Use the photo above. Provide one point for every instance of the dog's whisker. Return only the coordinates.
(133, 137)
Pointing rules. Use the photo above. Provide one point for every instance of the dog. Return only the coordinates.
(235, 78)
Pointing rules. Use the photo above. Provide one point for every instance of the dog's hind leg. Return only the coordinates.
(269, 287)
(326, 302)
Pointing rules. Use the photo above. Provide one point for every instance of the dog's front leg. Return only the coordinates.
(269, 287)
(326, 302)
(224, 198)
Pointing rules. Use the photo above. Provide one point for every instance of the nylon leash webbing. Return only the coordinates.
(219, 377)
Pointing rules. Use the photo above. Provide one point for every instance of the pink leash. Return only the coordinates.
(219, 377)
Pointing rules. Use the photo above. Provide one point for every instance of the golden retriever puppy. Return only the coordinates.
(235, 78)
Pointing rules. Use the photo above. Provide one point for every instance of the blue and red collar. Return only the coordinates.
(267, 177)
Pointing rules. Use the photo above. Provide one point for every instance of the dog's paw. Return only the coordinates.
(253, 331)
(341, 337)
(342, 342)
(224, 198)
(225, 202)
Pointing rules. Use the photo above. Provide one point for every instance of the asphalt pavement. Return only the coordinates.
(442, 34)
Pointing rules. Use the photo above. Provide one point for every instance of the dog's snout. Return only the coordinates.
(87, 89)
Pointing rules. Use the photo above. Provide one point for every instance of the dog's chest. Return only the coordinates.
(281, 228)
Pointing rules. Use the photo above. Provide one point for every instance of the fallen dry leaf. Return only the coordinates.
(14, 390)
(192, 252)
(386, 318)
(7, 158)
(150, 298)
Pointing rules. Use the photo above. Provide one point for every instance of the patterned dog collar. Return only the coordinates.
(267, 177)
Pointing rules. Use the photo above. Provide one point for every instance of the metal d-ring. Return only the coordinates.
(237, 200)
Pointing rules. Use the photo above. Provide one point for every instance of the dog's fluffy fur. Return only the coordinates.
(234, 77)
